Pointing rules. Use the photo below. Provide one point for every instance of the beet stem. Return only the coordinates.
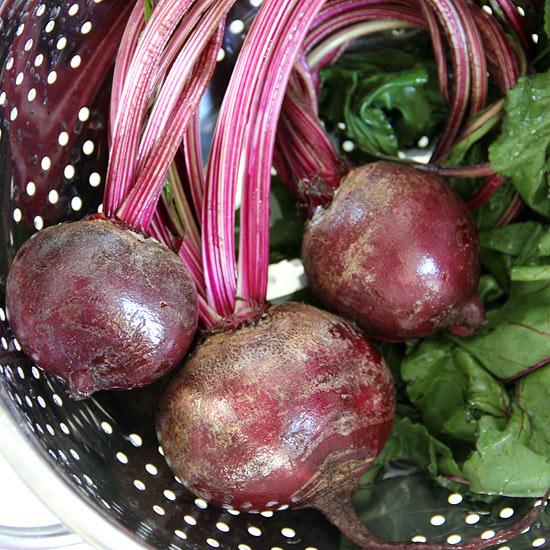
(339, 510)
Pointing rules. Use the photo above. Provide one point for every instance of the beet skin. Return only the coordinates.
(277, 413)
(101, 306)
(397, 252)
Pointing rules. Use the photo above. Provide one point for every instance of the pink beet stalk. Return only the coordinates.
(242, 155)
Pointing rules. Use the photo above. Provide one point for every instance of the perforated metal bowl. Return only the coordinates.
(96, 463)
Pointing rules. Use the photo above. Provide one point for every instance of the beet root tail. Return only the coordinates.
(339, 510)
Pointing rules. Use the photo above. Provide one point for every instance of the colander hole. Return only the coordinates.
(2, 314)
(61, 43)
(46, 163)
(17, 215)
(75, 61)
(221, 526)
(21, 373)
(40, 10)
(283, 507)
(213, 542)
(9, 63)
(88, 147)
(31, 188)
(311, 548)
(161, 451)
(13, 114)
(57, 400)
(233, 512)
(159, 510)
(84, 114)
(244, 547)
(28, 401)
(437, 520)
(170, 495)
(190, 520)
(288, 532)
(151, 469)
(18, 399)
(41, 401)
(52, 77)
(4, 343)
(49, 26)
(538, 542)
(79, 482)
(64, 428)
(489, 534)
(50, 430)
(53, 196)
(97, 1)
(74, 454)
(19, 79)
(136, 440)
(63, 139)
(506, 513)
(267, 513)
(221, 55)
(122, 458)
(73, 10)
(16, 344)
(95, 179)
(20, 29)
(88, 480)
(100, 208)
(236, 26)
(38, 60)
(348, 145)
(38, 223)
(180, 534)
(419, 538)
(69, 172)
(105, 503)
(138, 484)
(76, 203)
(63, 456)
(201, 503)
(86, 27)
(28, 44)
(255, 531)
(256, 3)
(3, 99)
(472, 519)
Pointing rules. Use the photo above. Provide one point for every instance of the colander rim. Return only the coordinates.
(29, 461)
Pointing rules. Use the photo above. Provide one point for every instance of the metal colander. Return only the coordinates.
(96, 463)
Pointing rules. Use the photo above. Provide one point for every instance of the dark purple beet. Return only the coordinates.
(397, 252)
(288, 411)
(100, 306)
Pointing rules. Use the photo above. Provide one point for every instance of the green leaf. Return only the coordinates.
(452, 390)
(504, 462)
(412, 442)
(517, 335)
(523, 148)
(388, 100)
(533, 396)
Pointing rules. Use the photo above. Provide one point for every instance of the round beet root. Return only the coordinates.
(101, 306)
(397, 252)
(277, 413)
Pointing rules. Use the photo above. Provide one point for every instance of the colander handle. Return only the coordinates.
(49, 537)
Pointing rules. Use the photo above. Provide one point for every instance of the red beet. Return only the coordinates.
(397, 252)
(288, 411)
(100, 306)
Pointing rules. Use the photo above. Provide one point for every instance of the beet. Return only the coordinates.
(278, 413)
(397, 252)
(100, 306)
